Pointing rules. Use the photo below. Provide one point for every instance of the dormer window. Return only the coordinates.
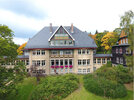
(121, 41)
(124, 41)
(61, 37)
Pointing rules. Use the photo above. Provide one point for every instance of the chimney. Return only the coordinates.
(72, 28)
(51, 29)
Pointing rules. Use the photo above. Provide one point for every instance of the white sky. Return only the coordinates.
(87, 15)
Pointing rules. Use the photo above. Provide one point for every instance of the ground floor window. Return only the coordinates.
(79, 71)
(70, 70)
(94, 68)
(52, 70)
(84, 71)
(66, 70)
(103, 61)
(88, 70)
(99, 61)
(61, 70)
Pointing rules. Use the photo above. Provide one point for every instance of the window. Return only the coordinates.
(84, 61)
(70, 70)
(27, 62)
(79, 62)
(66, 62)
(120, 50)
(121, 60)
(52, 43)
(38, 62)
(52, 62)
(83, 51)
(61, 52)
(57, 70)
(61, 70)
(66, 70)
(43, 52)
(79, 71)
(43, 62)
(94, 60)
(88, 61)
(103, 60)
(124, 41)
(121, 41)
(94, 68)
(84, 71)
(79, 51)
(38, 52)
(34, 63)
(88, 51)
(68, 52)
(116, 50)
(57, 62)
(54, 52)
(88, 70)
(61, 62)
(117, 60)
(98, 60)
(70, 62)
(70, 42)
(52, 70)
(34, 52)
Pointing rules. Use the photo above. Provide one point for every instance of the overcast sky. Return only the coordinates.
(27, 17)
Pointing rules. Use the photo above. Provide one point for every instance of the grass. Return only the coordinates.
(83, 94)
(28, 85)
(24, 89)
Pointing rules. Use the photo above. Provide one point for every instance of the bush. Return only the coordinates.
(55, 87)
(104, 87)
(118, 73)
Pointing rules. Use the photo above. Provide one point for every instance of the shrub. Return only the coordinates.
(118, 73)
(104, 87)
(55, 87)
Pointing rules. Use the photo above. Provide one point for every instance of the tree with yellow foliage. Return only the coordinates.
(21, 48)
(108, 40)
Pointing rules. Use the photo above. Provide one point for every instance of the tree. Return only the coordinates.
(98, 41)
(9, 77)
(109, 40)
(21, 48)
(127, 24)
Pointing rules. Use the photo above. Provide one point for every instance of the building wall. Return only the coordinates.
(83, 56)
(40, 57)
(98, 65)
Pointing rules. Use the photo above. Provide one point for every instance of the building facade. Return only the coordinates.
(63, 49)
(121, 50)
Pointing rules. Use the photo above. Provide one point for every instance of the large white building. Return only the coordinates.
(64, 49)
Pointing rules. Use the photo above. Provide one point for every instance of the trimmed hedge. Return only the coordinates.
(55, 87)
(104, 87)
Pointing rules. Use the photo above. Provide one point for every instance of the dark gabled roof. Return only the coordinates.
(102, 55)
(40, 40)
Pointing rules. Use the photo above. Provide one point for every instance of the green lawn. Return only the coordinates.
(82, 94)
(24, 89)
(27, 86)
